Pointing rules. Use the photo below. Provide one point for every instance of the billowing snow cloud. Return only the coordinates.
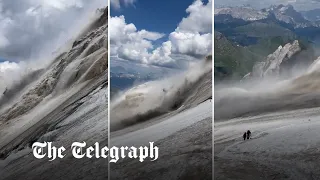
(192, 37)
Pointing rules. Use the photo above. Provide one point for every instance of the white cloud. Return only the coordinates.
(193, 44)
(129, 43)
(63, 4)
(191, 38)
(9, 72)
(40, 24)
(8, 66)
(116, 4)
(199, 19)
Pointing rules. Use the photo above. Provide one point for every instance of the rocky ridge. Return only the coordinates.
(273, 63)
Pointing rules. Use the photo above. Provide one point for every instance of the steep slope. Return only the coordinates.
(66, 103)
(156, 98)
(274, 62)
(181, 127)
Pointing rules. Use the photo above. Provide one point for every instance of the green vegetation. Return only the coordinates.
(232, 61)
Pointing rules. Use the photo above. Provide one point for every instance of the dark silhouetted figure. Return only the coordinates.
(248, 134)
(244, 136)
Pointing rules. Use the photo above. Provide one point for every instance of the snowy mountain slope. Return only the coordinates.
(155, 98)
(66, 103)
(183, 132)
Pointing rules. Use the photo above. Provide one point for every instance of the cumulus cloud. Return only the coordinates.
(193, 44)
(199, 19)
(5, 66)
(191, 39)
(129, 43)
(193, 36)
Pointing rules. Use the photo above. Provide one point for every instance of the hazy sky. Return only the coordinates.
(298, 4)
(27, 26)
(31, 30)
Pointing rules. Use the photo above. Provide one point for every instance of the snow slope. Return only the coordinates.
(283, 146)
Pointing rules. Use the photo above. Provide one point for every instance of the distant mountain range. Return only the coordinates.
(286, 15)
(244, 35)
(312, 15)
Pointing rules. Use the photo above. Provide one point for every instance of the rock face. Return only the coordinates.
(273, 63)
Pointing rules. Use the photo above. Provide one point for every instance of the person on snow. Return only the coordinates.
(244, 136)
(248, 134)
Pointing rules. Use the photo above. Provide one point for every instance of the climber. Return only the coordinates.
(244, 136)
(248, 134)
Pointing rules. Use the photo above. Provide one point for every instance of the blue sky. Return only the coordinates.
(165, 33)
(159, 16)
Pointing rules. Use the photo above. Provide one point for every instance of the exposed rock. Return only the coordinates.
(273, 63)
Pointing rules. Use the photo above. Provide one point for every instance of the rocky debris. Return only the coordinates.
(272, 65)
